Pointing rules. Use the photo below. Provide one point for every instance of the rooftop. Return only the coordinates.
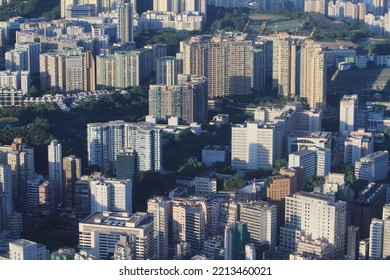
(119, 219)
(374, 156)
(216, 148)
(303, 152)
(308, 134)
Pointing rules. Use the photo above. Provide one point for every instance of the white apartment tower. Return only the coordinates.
(376, 239)
(313, 74)
(373, 167)
(111, 195)
(316, 215)
(315, 161)
(256, 145)
(357, 145)
(106, 140)
(348, 113)
(55, 169)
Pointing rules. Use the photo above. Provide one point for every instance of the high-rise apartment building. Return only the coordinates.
(313, 74)
(373, 167)
(316, 6)
(305, 159)
(71, 166)
(256, 145)
(6, 206)
(20, 158)
(187, 100)
(261, 218)
(111, 195)
(161, 210)
(32, 194)
(315, 161)
(348, 113)
(55, 170)
(128, 68)
(376, 239)
(181, 6)
(379, 7)
(101, 231)
(82, 198)
(226, 63)
(46, 198)
(358, 144)
(285, 65)
(125, 21)
(33, 50)
(106, 140)
(167, 69)
(316, 215)
(16, 60)
(13, 84)
(99, 6)
(191, 221)
(67, 70)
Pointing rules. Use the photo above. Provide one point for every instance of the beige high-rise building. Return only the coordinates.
(21, 160)
(256, 145)
(187, 100)
(316, 6)
(316, 215)
(161, 209)
(189, 223)
(181, 6)
(128, 68)
(226, 62)
(362, 10)
(162, 5)
(358, 144)
(313, 74)
(261, 218)
(284, 65)
(348, 113)
(68, 70)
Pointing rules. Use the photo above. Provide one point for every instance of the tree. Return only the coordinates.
(33, 91)
(279, 163)
(234, 183)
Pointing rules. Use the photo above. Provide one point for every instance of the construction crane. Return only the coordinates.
(312, 32)
(262, 28)
(246, 26)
